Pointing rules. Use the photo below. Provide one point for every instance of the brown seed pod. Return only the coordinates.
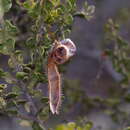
(59, 54)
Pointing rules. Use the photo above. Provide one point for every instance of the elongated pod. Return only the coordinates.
(59, 54)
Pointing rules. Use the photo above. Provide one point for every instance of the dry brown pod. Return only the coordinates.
(61, 52)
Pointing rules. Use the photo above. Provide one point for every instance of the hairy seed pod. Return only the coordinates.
(59, 54)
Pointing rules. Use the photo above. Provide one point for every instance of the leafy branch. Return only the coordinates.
(27, 32)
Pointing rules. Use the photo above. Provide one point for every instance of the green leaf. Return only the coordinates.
(37, 126)
(10, 28)
(48, 5)
(21, 75)
(128, 128)
(2, 103)
(39, 76)
(69, 4)
(7, 46)
(8, 78)
(90, 10)
(31, 42)
(112, 101)
(2, 73)
(71, 126)
(29, 4)
(88, 126)
(7, 38)
(68, 126)
(21, 101)
(73, 2)
(42, 50)
(87, 12)
(55, 3)
(27, 107)
(12, 112)
(45, 100)
(3, 86)
(43, 114)
(11, 104)
(69, 19)
(62, 127)
(15, 60)
(27, 69)
(5, 5)
(127, 97)
(25, 123)
(79, 128)
(11, 95)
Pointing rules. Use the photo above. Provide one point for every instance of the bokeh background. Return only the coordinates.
(88, 73)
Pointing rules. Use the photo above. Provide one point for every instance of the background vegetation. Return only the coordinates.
(27, 31)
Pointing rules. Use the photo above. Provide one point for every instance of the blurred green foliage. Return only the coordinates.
(74, 126)
(116, 50)
(118, 53)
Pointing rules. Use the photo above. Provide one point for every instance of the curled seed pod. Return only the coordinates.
(59, 54)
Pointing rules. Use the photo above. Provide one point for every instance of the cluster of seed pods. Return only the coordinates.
(61, 52)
